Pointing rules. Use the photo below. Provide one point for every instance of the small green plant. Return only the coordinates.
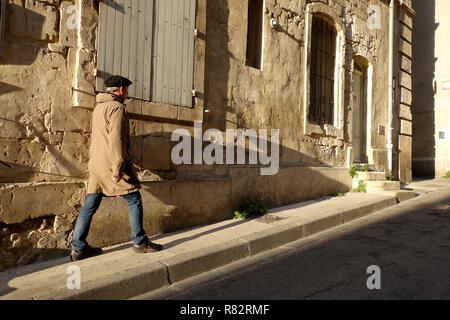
(366, 168)
(447, 175)
(354, 171)
(390, 176)
(336, 194)
(250, 208)
(361, 187)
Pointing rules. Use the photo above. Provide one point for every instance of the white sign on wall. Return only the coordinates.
(443, 135)
(446, 85)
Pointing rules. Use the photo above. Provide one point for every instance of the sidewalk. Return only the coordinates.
(120, 273)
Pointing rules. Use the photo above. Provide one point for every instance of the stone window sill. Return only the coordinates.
(327, 130)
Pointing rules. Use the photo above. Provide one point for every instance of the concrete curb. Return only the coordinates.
(144, 278)
(186, 265)
(121, 285)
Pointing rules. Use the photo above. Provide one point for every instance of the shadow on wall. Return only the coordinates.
(217, 54)
(24, 32)
(26, 35)
(424, 63)
(182, 202)
(13, 171)
(8, 88)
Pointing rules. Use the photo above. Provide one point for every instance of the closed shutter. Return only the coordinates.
(151, 42)
(2, 24)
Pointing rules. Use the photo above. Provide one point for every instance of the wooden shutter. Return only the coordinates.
(174, 52)
(125, 44)
(151, 42)
(2, 24)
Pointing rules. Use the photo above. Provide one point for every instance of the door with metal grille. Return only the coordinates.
(322, 71)
(151, 42)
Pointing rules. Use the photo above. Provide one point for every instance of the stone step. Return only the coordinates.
(382, 185)
(371, 176)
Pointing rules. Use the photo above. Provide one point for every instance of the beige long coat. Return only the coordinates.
(110, 149)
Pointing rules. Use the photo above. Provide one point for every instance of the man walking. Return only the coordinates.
(111, 172)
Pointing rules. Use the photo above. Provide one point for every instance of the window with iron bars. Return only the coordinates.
(322, 72)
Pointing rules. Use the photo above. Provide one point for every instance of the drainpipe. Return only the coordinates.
(390, 83)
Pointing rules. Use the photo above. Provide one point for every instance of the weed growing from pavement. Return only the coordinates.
(249, 209)
(361, 187)
(390, 176)
(354, 172)
(336, 194)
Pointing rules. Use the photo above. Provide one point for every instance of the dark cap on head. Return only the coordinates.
(117, 81)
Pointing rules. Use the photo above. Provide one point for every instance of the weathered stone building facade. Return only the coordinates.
(431, 83)
(48, 76)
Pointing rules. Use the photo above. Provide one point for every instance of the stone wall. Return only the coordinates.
(430, 113)
(32, 230)
(47, 92)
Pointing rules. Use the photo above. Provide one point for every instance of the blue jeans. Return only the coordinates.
(90, 207)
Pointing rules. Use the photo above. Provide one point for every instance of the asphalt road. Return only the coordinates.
(410, 243)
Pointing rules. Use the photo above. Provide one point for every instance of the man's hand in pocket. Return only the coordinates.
(116, 179)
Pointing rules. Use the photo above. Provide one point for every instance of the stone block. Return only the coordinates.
(168, 206)
(406, 127)
(382, 185)
(67, 25)
(406, 80)
(156, 153)
(159, 110)
(405, 112)
(33, 19)
(24, 202)
(136, 150)
(405, 143)
(369, 176)
(75, 150)
(273, 238)
(313, 227)
(88, 30)
(406, 64)
(145, 277)
(406, 19)
(134, 106)
(405, 48)
(145, 128)
(192, 263)
(64, 117)
(406, 96)
(406, 33)
(84, 85)
(187, 114)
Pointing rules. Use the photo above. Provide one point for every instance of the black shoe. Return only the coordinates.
(147, 247)
(86, 252)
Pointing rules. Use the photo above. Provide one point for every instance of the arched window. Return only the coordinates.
(322, 72)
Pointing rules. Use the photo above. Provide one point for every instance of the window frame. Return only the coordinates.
(2, 25)
(250, 56)
(322, 73)
(337, 128)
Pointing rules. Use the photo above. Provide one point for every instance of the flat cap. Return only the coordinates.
(117, 81)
